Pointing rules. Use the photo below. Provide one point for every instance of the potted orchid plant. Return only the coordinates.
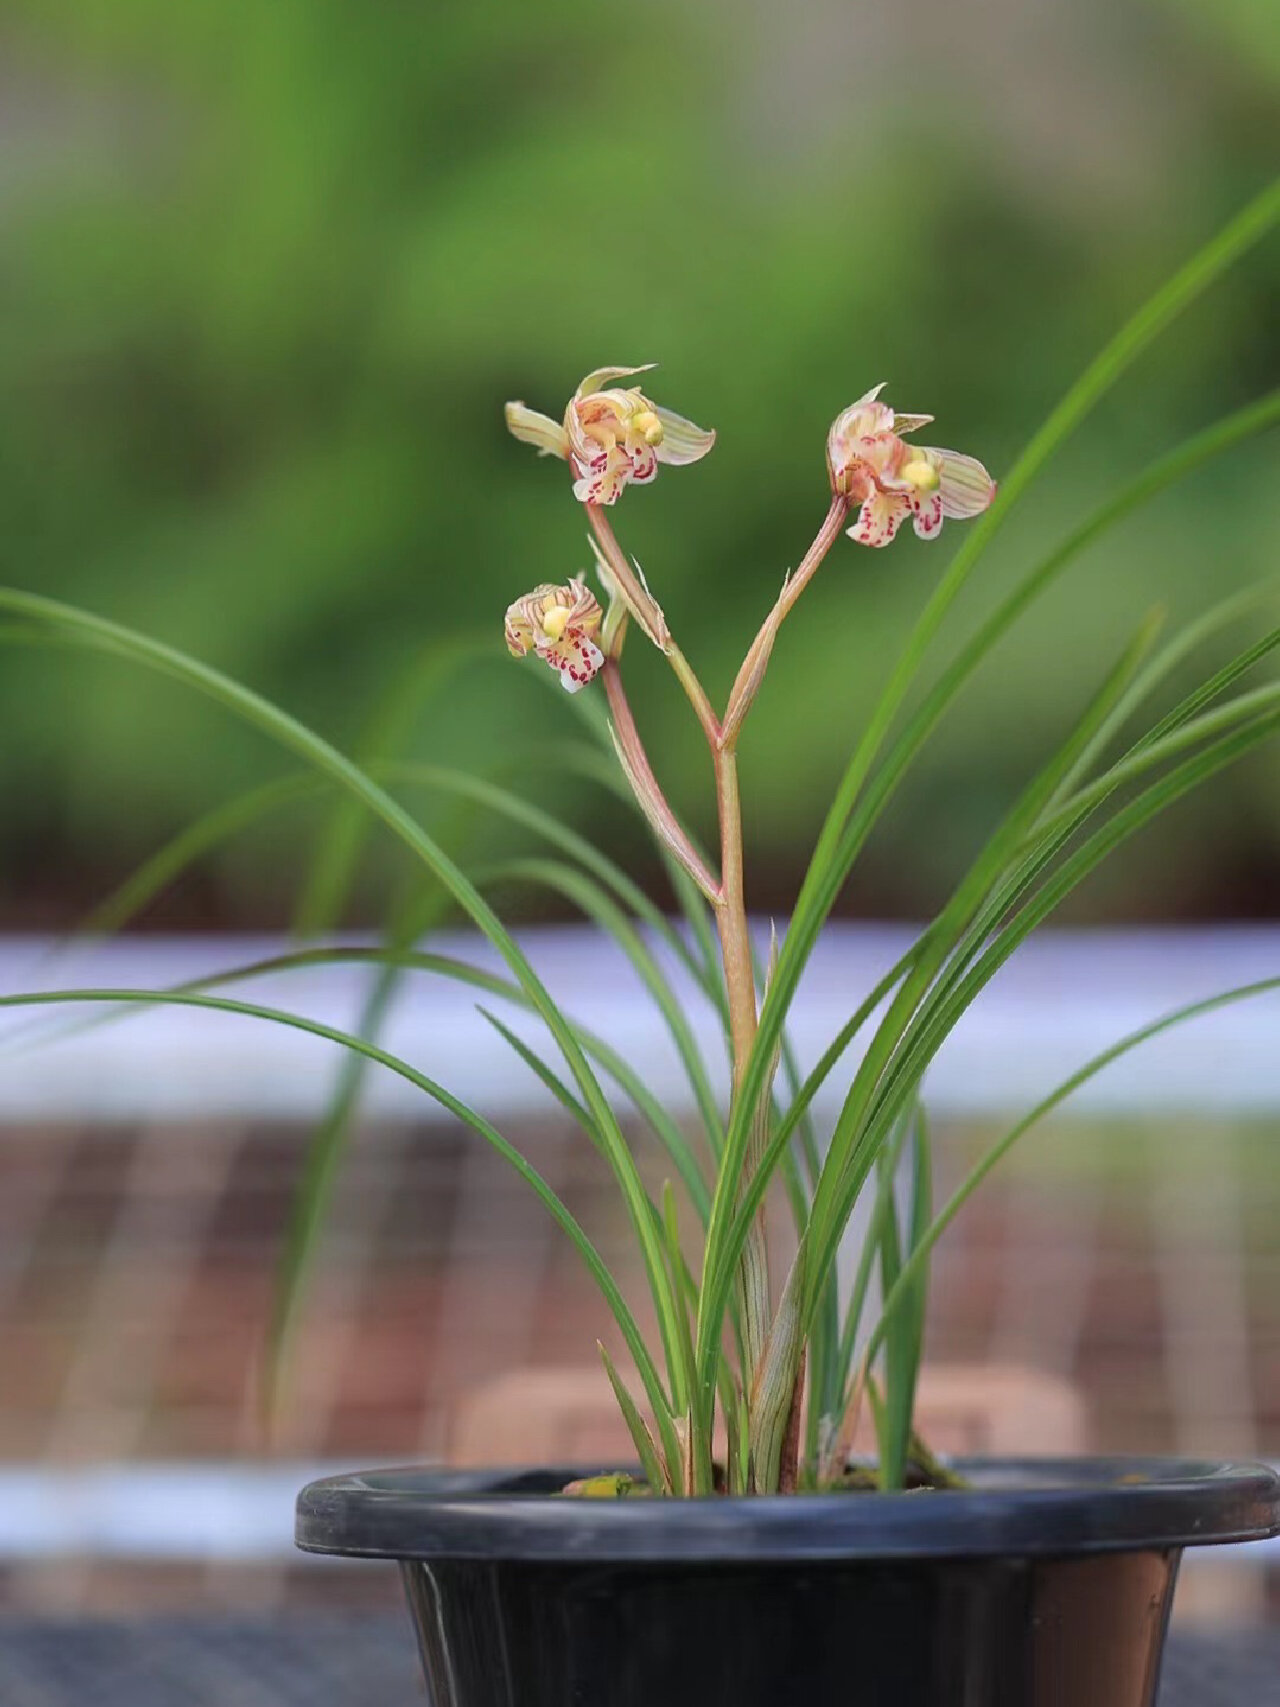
(613, 437)
(746, 1554)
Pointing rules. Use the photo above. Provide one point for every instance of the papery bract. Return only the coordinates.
(559, 624)
(873, 466)
(611, 436)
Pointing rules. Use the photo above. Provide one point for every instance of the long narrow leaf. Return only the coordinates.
(914, 1267)
(331, 876)
(951, 923)
(904, 1331)
(1125, 823)
(1182, 289)
(591, 899)
(662, 1478)
(679, 1372)
(607, 1058)
(289, 733)
(528, 1173)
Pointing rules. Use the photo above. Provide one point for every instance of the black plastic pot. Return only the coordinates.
(1047, 1584)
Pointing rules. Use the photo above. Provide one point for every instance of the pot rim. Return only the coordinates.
(1018, 1507)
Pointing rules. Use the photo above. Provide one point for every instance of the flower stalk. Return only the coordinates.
(646, 788)
(641, 604)
(751, 674)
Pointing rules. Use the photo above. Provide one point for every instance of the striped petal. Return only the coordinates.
(860, 420)
(533, 428)
(682, 442)
(604, 376)
(964, 485)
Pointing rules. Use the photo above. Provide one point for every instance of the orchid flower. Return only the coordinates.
(611, 437)
(560, 625)
(873, 467)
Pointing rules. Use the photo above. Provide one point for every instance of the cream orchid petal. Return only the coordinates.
(584, 607)
(964, 486)
(603, 376)
(602, 479)
(910, 423)
(860, 420)
(867, 398)
(884, 454)
(682, 442)
(519, 633)
(523, 625)
(880, 517)
(533, 428)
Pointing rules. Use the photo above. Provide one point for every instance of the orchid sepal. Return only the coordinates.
(682, 441)
(531, 427)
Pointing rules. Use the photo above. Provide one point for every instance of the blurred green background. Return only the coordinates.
(269, 271)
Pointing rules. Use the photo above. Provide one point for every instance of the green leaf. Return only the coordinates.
(615, 1065)
(595, 904)
(937, 1023)
(830, 862)
(679, 1370)
(801, 1123)
(754, 1300)
(882, 1210)
(329, 881)
(310, 1204)
(661, 1477)
(189, 845)
(849, 1152)
(773, 1392)
(904, 1331)
(700, 1448)
(295, 736)
(914, 1268)
(595, 1264)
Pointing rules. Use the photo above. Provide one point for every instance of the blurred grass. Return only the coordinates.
(268, 274)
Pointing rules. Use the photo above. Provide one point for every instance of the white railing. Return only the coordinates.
(1063, 997)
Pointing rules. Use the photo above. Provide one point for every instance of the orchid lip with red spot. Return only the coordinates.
(872, 466)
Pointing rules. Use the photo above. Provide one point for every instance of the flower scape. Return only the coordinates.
(754, 1372)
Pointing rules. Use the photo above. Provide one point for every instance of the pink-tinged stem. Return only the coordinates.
(731, 917)
(753, 665)
(635, 761)
(728, 895)
(646, 612)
